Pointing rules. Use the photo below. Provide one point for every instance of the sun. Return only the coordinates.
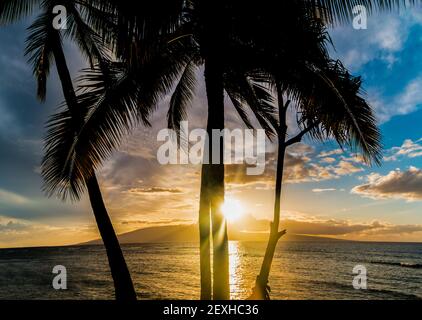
(232, 209)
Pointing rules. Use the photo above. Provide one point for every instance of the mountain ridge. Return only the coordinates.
(189, 233)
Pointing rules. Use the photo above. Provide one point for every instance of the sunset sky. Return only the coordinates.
(328, 191)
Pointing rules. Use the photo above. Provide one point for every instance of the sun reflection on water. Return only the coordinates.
(235, 274)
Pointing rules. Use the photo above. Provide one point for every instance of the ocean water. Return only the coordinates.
(301, 270)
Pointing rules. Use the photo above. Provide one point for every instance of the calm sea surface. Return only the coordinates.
(301, 270)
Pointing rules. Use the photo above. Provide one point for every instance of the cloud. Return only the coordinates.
(12, 226)
(309, 225)
(12, 198)
(299, 167)
(328, 160)
(139, 223)
(327, 227)
(396, 184)
(409, 148)
(9, 125)
(345, 168)
(410, 98)
(323, 190)
(22, 233)
(383, 46)
(154, 191)
(324, 154)
(354, 157)
(407, 101)
(384, 39)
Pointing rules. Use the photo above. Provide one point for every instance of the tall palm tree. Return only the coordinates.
(354, 118)
(301, 68)
(213, 38)
(136, 87)
(44, 44)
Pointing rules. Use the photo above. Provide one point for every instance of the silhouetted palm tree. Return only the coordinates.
(134, 87)
(44, 44)
(326, 98)
(332, 110)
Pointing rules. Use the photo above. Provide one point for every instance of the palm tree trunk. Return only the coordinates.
(204, 235)
(123, 284)
(260, 291)
(215, 96)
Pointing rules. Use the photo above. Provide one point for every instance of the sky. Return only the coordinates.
(328, 191)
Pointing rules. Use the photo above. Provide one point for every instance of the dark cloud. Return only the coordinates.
(22, 127)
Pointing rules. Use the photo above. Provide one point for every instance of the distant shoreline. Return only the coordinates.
(87, 244)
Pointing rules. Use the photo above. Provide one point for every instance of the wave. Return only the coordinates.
(395, 294)
(399, 264)
(380, 293)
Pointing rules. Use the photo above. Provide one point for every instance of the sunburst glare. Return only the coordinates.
(232, 209)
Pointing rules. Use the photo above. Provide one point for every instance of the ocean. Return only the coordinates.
(301, 270)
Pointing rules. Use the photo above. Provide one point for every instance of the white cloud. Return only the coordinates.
(409, 148)
(397, 184)
(330, 153)
(410, 98)
(323, 190)
(389, 33)
(401, 104)
(383, 40)
(346, 168)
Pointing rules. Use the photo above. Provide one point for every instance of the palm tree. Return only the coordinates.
(270, 37)
(327, 100)
(324, 114)
(135, 86)
(44, 44)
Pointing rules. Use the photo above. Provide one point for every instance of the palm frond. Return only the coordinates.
(14, 10)
(90, 43)
(39, 50)
(134, 30)
(341, 11)
(243, 91)
(182, 96)
(334, 100)
(59, 180)
(116, 101)
(66, 164)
